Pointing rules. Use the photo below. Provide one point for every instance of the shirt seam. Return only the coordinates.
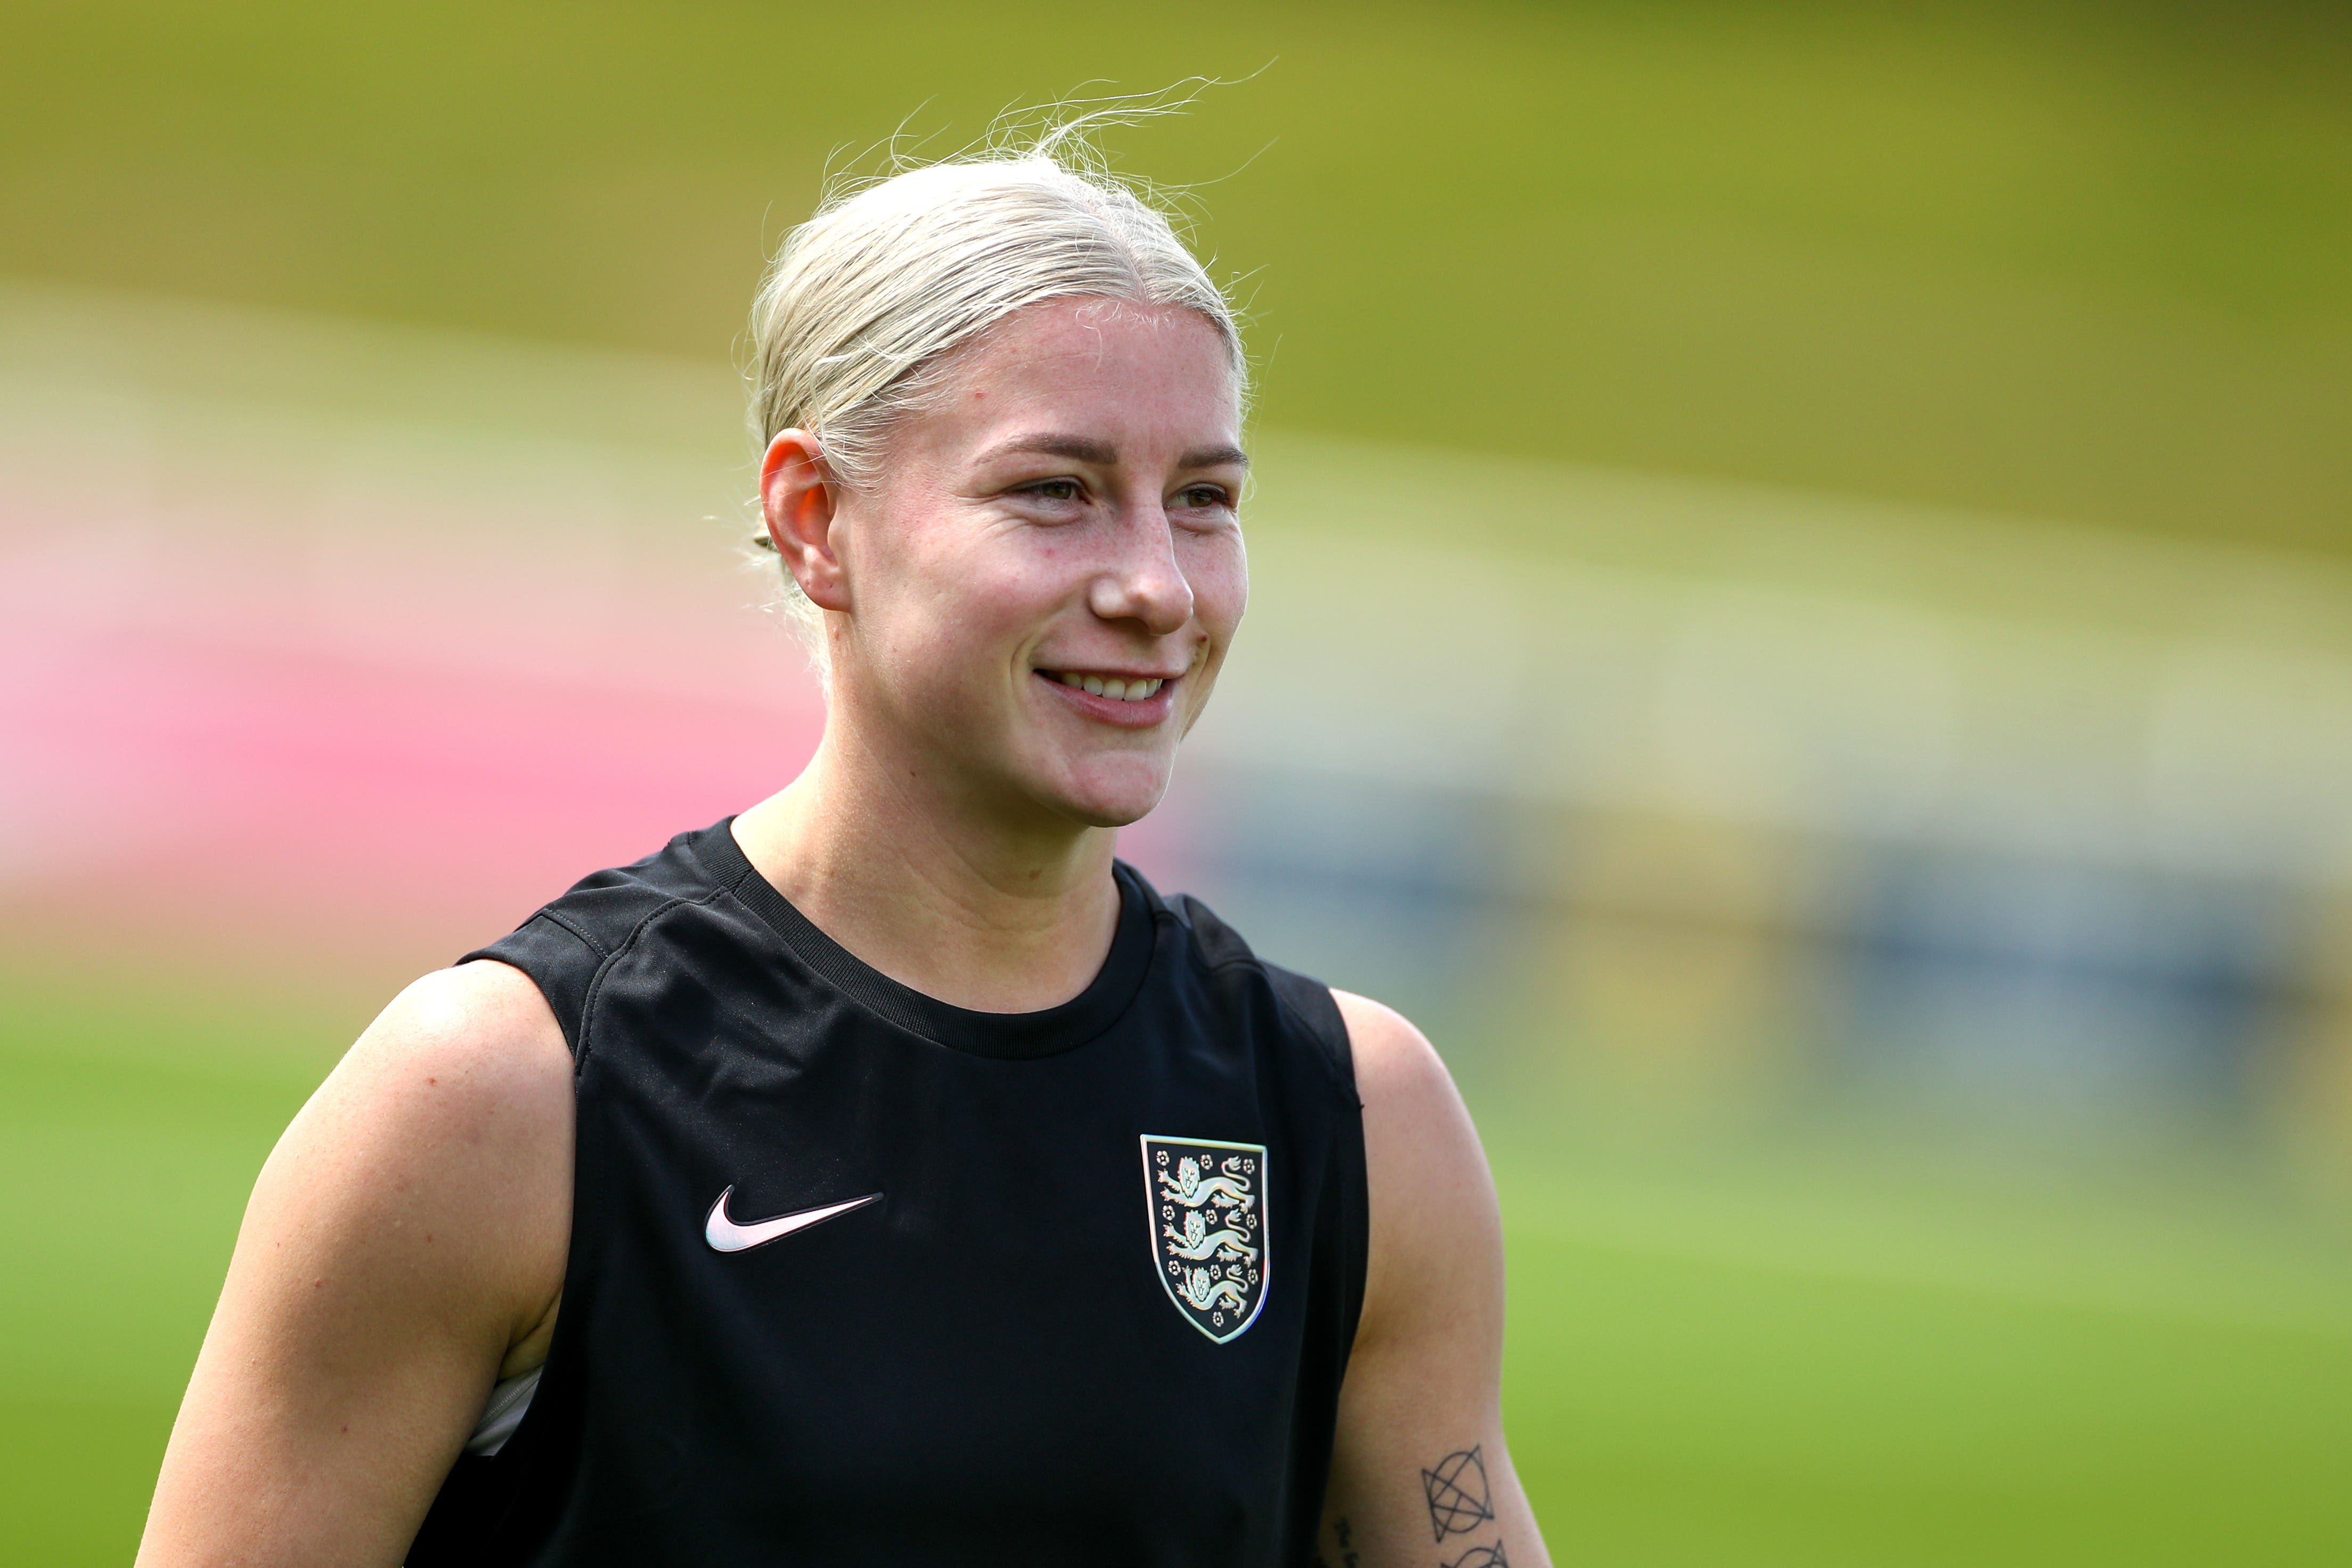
(1348, 1094)
(556, 918)
(597, 983)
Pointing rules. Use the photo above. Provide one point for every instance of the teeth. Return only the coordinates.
(1115, 689)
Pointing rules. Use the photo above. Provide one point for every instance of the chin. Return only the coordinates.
(1097, 812)
(1112, 801)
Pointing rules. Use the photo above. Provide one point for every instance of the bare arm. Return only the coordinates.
(1421, 1478)
(405, 1245)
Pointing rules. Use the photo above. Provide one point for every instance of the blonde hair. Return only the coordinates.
(865, 303)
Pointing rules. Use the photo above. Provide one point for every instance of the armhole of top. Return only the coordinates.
(1312, 1002)
(560, 959)
(1306, 999)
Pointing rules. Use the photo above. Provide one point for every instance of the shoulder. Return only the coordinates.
(1417, 1133)
(1395, 1063)
(1433, 1216)
(471, 1055)
(567, 944)
(602, 911)
(1308, 1004)
(448, 1121)
(463, 1045)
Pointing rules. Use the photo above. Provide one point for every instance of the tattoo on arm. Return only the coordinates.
(1483, 1557)
(1459, 1502)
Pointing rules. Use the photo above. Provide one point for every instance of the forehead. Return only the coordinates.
(1094, 363)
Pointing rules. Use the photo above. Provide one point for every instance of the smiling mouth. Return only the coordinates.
(1117, 687)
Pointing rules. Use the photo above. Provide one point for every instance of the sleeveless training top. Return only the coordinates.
(857, 1277)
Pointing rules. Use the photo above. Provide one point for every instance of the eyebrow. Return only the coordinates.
(1078, 449)
(1216, 457)
(1085, 449)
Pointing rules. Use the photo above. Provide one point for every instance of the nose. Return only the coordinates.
(1145, 583)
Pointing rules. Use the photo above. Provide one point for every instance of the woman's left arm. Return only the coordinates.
(1420, 1477)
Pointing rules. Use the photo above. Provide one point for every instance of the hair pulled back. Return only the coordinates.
(866, 300)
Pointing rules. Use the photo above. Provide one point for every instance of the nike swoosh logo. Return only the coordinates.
(724, 1235)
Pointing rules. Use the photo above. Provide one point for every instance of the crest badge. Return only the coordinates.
(1206, 1202)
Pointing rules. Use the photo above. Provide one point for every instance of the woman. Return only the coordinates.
(886, 1174)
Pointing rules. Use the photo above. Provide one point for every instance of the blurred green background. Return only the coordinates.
(2028, 330)
(2083, 260)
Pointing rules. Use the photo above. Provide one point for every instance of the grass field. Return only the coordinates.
(1759, 1369)
(1749, 1361)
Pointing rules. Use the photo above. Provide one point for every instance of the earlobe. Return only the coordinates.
(797, 499)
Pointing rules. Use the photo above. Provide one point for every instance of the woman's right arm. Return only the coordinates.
(404, 1246)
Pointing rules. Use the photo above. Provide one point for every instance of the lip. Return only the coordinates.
(1152, 710)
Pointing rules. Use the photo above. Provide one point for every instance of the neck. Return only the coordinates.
(940, 893)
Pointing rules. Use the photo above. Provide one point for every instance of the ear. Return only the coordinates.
(798, 498)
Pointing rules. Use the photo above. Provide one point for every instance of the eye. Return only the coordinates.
(1055, 489)
(1205, 496)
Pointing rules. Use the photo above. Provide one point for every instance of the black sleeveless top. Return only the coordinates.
(857, 1277)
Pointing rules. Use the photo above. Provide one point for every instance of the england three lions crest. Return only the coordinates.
(1207, 1207)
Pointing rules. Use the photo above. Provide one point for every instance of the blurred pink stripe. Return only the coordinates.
(208, 734)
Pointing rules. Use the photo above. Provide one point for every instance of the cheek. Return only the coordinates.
(935, 588)
(1007, 589)
(969, 610)
(1218, 572)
